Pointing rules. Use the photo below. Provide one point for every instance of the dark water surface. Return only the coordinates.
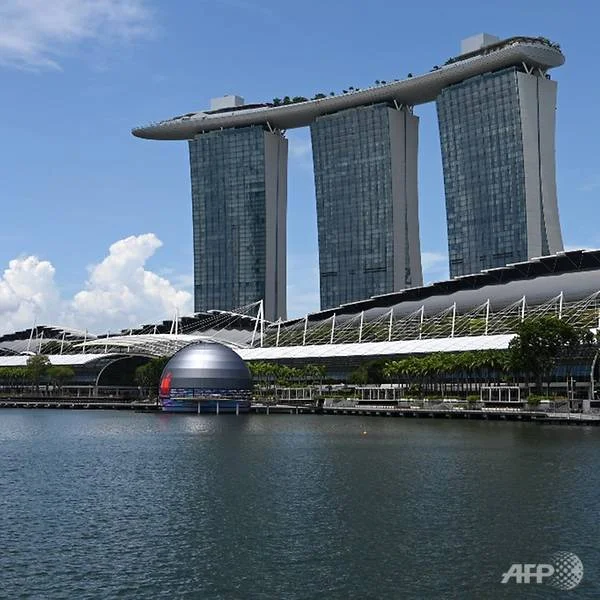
(125, 505)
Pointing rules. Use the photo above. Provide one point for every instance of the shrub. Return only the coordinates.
(534, 399)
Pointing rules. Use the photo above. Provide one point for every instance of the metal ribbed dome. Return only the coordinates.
(207, 365)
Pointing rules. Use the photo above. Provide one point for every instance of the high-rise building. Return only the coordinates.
(365, 164)
(239, 179)
(497, 137)
(496, 108)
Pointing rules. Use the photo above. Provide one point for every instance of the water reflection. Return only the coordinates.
(283, 506)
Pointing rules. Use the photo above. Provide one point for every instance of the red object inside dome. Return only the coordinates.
(165, 384)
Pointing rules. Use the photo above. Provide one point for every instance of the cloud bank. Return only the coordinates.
(35, 33)
(119, 292)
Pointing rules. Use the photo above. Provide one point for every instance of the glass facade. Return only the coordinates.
(353, 168)
(230, 186)
(480, 124)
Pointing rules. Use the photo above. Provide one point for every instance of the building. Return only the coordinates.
(497, 136)
(498, 170)
(239, 179)
(365, 165)
(473, 312)
(470, 313)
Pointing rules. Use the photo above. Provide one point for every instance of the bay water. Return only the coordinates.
(115, 504)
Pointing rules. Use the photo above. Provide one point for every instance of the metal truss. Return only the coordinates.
(481, 320)
(246, 328)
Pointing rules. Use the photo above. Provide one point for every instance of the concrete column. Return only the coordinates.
(404, 145)
(276, 159)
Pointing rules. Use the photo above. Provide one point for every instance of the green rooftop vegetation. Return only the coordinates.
(502, 44)
(320, 95)
(486, 50)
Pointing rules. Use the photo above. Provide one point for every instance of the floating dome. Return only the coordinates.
(207, 365)
(204, 372)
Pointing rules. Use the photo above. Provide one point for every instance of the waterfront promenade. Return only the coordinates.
(420, 410)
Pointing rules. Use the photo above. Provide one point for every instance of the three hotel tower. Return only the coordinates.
(496, 112)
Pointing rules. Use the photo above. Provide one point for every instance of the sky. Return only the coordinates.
(96, 224)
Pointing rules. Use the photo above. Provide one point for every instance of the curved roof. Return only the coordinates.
(68, 360)
(575, 273)
(42, 339)
(420, 89)
(158, 344)
(365, 349)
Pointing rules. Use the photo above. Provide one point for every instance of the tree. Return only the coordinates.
(13, 377)
(313, 374)
(148, 375)
(276, 101)
(539, 343)
(37, 366)
(372, 371)
(58, 374)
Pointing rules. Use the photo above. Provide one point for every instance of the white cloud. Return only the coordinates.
(120, 292)
(27, 291)
(184, 281)
(35, 33)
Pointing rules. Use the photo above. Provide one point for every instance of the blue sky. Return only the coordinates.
(77, 75)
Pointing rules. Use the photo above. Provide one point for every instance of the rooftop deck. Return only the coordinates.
(420, 89)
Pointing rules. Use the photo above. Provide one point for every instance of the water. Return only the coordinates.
(125, 505)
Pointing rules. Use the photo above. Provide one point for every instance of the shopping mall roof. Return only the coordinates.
(69, 360)
(376, 349)
(575, 274)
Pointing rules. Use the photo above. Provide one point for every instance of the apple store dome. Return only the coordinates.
(205, 377)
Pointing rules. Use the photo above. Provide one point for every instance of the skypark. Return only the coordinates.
(532, 53)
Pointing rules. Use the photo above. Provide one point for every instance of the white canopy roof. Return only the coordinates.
(55, 359)
(456, 344)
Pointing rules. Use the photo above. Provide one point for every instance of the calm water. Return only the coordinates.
(125, 505)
